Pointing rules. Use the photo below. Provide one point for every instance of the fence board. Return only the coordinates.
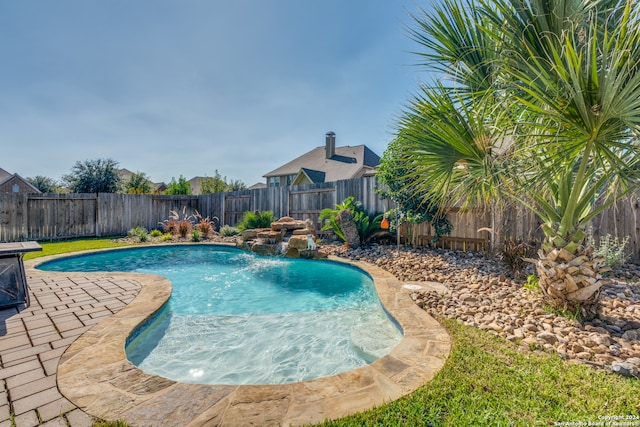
(55, 216)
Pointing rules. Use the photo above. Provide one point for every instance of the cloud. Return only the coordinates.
(187, 87)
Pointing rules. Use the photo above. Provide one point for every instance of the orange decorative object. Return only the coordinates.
(384, 224)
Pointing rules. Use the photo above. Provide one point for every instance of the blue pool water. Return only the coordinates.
(238, 318)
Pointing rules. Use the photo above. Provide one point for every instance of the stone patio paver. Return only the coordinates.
(62, 361)
(33, 339)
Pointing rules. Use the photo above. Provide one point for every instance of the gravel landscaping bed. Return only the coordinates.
(476, 291)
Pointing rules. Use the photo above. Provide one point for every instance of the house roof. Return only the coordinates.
(314, 176)
(4, 175)
(124, 174)
(345, 164)
(257, 186)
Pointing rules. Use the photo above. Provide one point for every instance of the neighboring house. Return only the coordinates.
(14, 183)
(196, 184)
(325, 164)
(125, 176)
(257, 186)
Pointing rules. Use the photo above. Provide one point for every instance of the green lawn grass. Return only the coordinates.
(65, 246)
(485, 382)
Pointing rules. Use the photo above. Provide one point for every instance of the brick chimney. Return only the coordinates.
(331, 145)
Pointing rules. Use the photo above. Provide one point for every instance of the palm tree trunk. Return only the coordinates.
(572, 282)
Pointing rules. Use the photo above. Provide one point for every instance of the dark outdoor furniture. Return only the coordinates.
(14, 289)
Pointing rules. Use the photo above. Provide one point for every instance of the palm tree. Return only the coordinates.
(538, 103)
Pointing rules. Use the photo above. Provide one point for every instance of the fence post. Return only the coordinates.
(97, 216)
(25, 217)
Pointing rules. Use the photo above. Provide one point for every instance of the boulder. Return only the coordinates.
(349, 228)
(215, 223)
(625, 369)
(298, 242)
(308, 254)
(262, 248)
(252, 233)
(284, 219)
(249, 234)
(304, 232)
(292, 253)
(288, 223)
(270, 236)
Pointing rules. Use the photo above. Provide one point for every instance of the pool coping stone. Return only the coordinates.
(95, 375)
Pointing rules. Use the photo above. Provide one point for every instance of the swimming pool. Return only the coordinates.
(237, 318)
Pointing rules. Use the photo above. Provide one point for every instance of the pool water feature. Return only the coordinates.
(238, 318)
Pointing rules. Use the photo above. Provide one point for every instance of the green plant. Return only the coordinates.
(256, 219)
(138, 183)
(367, 224)
(412, 206)
(574, 314)
(44, 184)
(228, 231)
(514, 253)
(166, 237)
(535, 104)
(219, 184)
(328, 217)
(532, 283)
(611, 249)
(93, 176)
(155, 233)
(181, 186)
(195, 235)
(140, 233)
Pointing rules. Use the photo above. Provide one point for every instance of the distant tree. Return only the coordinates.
(44, 184)
(181, 186)
(93, 176)
(138, 183)
(218, 184)
(214, 184)
(236, 185)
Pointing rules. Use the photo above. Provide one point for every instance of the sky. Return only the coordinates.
(187, 87)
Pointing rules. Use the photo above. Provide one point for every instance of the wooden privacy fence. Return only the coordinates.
(52, 216)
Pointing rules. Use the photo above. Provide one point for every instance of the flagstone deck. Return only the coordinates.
(62, 361)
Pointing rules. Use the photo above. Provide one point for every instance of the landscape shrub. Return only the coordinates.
(204, 225)
(256, 219)
(139, 232)
(367, 224)
(514, 253)
(177, 224)
(170, 226)
(613, 251)
(228, 231)
(155, 233)
(184, 227)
